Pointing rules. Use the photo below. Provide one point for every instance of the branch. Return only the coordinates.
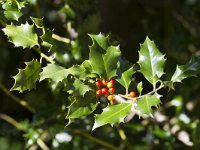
(16, 99)
(61, 39)
(44, 56)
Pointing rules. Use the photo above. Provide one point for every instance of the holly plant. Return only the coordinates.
(104, 81)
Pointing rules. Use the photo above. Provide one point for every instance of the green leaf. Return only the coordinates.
(140, 88)
(12, 9)
(126, 77)
(103, 59)
(27, 77)
(23, 35)
(78, 71)
(112, 114)
(48, 40)
(54, 72)
(192, 68)
(145, 103)
(81, 87)
(38, 22)
(82, 106)
(151, 61)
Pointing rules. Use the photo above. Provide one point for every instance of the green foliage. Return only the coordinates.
(27, 77)
(23, 35)
(112, 114)
(145, 104)
(126, 78)
(151, 61)
(103, 59)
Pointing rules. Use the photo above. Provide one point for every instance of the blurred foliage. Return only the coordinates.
(174, 25)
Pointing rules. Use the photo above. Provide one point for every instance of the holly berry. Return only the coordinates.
(133, 94)
(112, 102)
(104, 90)
(110, 97)
(104, 82)
(111, 90)
(109, 85)
(98, 83)
(106, 94)
(98, 92)
(112, 81)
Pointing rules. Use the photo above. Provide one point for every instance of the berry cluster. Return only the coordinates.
(106, 89)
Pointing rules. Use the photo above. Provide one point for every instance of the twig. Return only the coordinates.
(59, 38)
(92, 138)
(43, 55)
(139, 97)
(16, 99)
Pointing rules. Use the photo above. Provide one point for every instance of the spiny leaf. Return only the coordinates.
(82, 106)
(12, 9)
(144, 104)
(26, 78)
(48, 40)
(23, 35)
(78, 71)
(54, 72)
(112, 114)
(38, 22)
(192, 68)
(126, 77)
(80, 87)
(151, 61)
(140, 88)
(103, 59)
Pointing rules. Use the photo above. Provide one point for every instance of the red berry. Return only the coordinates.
(98, 83)
(104, 90)
(104, 82)
(133, 94)
(112, 81)
(111, 90)
(110, 97)
(109, 85)
(98, 92)
(106, 94)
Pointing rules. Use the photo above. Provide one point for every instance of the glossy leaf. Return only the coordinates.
(104, 59)
(23, 35)
(151, 61)
(38, 22)
(12, 9)
(54, 72)
(27, 77)
(192, 68)
(82, 106)
(126, 78)
(140, 88)
(144, 104)
(112, 114)
(80, 87)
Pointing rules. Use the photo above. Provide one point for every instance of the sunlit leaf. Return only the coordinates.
(112, 114)
(27, 77)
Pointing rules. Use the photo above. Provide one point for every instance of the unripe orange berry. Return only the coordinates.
(104, 82)
(109, 85)
(110, 97)
(133, 94)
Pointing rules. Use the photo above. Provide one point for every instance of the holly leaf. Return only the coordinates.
(192, 68)
(140, 88)
(104, 59)
(126, 77)
(82, 106)
(78, 71)
(100, 40)
(145, 103)
(23, 35)
(12, 9)
(81, 87)
(47, 40)
(112, 114)
(151, 61)
(38, 22)
(54, 72)
(27, 77)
